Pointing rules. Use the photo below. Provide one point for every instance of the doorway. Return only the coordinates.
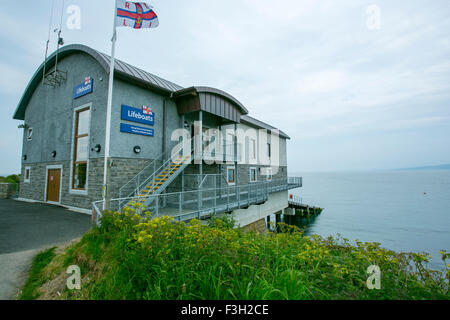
(53, 185)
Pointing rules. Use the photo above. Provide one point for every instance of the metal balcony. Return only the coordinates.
(203, 203)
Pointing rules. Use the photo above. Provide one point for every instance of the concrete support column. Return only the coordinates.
(200, 142)
(277, 220)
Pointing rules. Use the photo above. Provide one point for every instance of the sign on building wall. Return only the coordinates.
(144, 115)
(128, 128)
(84, 88)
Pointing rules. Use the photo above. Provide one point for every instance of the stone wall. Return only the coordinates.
(257, 226)
(7, 190)
(122, 170)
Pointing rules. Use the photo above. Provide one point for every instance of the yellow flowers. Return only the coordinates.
(333, 261)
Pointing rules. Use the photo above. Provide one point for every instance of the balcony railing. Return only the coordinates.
(225, 153)
(205, 202)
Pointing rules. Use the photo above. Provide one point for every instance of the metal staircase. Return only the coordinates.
(156, 176)
(163, 178)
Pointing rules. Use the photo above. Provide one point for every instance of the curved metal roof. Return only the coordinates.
(214, 91)
(121, 69)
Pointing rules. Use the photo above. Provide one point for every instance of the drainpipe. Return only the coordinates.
(164, 135)
(236, 162)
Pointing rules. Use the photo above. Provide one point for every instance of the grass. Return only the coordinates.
(36, 279)
(129, 257)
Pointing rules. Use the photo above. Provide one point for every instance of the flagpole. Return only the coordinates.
(105, 190)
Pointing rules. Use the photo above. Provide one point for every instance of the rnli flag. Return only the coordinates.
(137, 15)
(146, 110)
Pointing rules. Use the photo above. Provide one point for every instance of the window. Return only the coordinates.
(30, 134)
(27, 175)
(269, 174)
(252, 174)
(252, 149)
(231, 175)
(269, 151)
(81, 147)
(229, 147)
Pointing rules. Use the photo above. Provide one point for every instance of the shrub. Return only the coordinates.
(160, 258)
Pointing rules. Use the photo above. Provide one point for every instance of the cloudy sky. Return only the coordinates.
(354, 92)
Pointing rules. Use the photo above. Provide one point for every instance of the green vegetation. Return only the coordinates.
(36, 279)
(129, 257)
(13, 178)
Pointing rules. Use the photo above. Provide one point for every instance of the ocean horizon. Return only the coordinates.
(404, 210)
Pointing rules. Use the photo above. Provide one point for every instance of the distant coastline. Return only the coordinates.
(438, 167)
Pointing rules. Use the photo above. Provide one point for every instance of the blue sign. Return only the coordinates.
(144, 115)
(84, 88)
(128, 128)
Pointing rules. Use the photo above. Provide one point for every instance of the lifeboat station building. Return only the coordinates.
(185, 152)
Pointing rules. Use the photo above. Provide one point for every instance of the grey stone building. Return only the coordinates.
(63, 110)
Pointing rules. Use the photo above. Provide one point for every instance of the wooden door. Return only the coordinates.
(53, 184)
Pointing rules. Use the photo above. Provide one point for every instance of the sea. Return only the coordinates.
(403, 210)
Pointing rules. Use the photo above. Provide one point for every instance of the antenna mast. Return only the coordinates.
(48, 38)
(55, 77)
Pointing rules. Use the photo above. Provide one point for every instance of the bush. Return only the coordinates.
(160, 258)
(14, 178)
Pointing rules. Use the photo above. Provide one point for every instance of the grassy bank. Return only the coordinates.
(131, 258)
(36, 276)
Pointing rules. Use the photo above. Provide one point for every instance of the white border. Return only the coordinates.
(74, 191)
(59, 166)
(250, 174)
(25, 180)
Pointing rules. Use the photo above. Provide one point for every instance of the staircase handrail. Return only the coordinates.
(135, 180)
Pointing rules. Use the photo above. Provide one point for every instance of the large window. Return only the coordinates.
(81, 148)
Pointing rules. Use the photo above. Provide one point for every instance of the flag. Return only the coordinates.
(136, 15)
(146, 110)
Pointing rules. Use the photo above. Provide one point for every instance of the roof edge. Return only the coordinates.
(260, 124)
(199, 89)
